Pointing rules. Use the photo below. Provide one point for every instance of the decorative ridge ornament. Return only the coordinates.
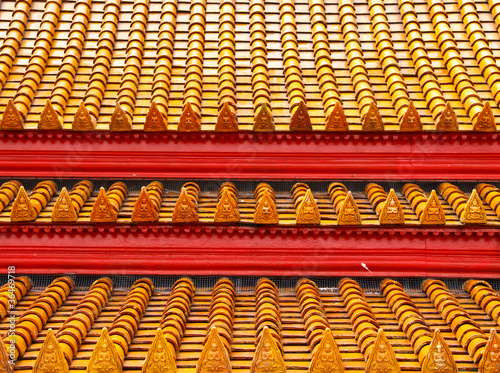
(474, 212)
(485, 121)
(227, 208)
(447, 120)
(155, 120)
(265, 210)
(22, 210)
(144, 208)
(226, 121)
(50, 358)
(326, 356)
(349, 212)
(159, 358)
(105, 358)
(119, 120)
(373, 120)
(12, 118)
(267, 358)
(264, 121)
(6, 365)
(392, 212)
(103, 211)
(189, 121)
(64, 211)
(185, 209)
(307, 211)
(337, 120)
(490, 363)
(49, 119)
(83, 121)
(433, 213)
(382, 358)
(411, 121)
(439, 359)
(214, 357)
(300, 120)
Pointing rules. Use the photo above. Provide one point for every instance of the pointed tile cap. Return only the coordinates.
(433, 213)
(337, 121)
(189, 121)
(159, 357)
(104, 358)
(12, 118)
(5, 362)
(307, 211)
(382, 358)
(373, 120)
(119, 120)
(226, 121)
(83, 121)
(300, 119)
(22, 210)
(227, 209)
(144, 208)
(490, 361)
(474, 212)
(264, 121)
(184, 210)
(349, 212)
(155, 121)
(411, 120)
(50, 358)
(265, 211)
(326, 356)
(485, 121)
(439, 359)
(267, 358)
(103, 211)
(49, 119)
(214, 357)
(63, 210)
(447, 120)
(392, 212)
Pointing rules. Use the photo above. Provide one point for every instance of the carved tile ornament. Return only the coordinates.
(485, 121)
(189, 121)
(326, 357)
(22, 210)
(64, 211)
(50, 358)
(307, 211)
(267, 358)
(105, 358)
(392, 212)
(49, 119)
(226, 121)
(448, 119)
(373, 120)
(264, 121)
(144, 208)
(159, 358)
(119, 120)
(490, 363)
(337, 120)
(411, 119)
(300, 120)
(103, 211)
(5, 362)
(12, 118)
(155, 121)
(83, 121)
(474, 212)
(214, 358)
(382, 358)
(433, 213)
(439, 359)
(349, 212)
(185, 207)
(227, 207)
(265, 206)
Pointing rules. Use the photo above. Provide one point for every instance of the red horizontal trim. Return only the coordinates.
(249, 155)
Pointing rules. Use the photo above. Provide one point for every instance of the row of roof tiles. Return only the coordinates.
(339, 206)
(57, 350)
(413, 89)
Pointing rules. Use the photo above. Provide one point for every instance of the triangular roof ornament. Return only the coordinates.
(189, 121)
(264, 121)
(104, 348)
(265, 210)
(489, 362)
(485, 121)
(439, 355)
(159, 357)
(410, 121)
(49, 119)
(22, 210)
(12, 118)
(373, 120)
(474, 212)
(63, 210)
(392, 212)
(349, 212)
(103, 211)
(155, 121)
(326, 357)
(268, 357)
(300, 120)
(185, 209)
(337, 120)
(50, 358)
(214, 357)
(144, 208)
(382, 358)
(307, 211)
(433, 213)
(227, 209)
(226, 121)
(83, 121)
(447, 120)
(119, 120)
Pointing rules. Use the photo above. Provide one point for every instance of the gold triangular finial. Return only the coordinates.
(490, 361)
(349, 212)
(50, 358)
(326, 357)
(300, 119)
(264, 121)
(433, 213)
(265, 210)
(22, 210)
(155, 121)
(411, 120)
(105, 358)
(392, 212)
(6, 364)
(185, 209)
(103, 211)
(307, 210)
(64, 211)
(159, 358)
(49, 119)
(447, 120)
(337, 121)
(267, 358)
(189, 121)
(485, 121)
(12, 118)
(474, 212)
(373, 120)
(83, 121)
(144, 208)
(382, 358)
(226, 121)
(439, 357)
(227, 209)
(214, 357)
(119, 120)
